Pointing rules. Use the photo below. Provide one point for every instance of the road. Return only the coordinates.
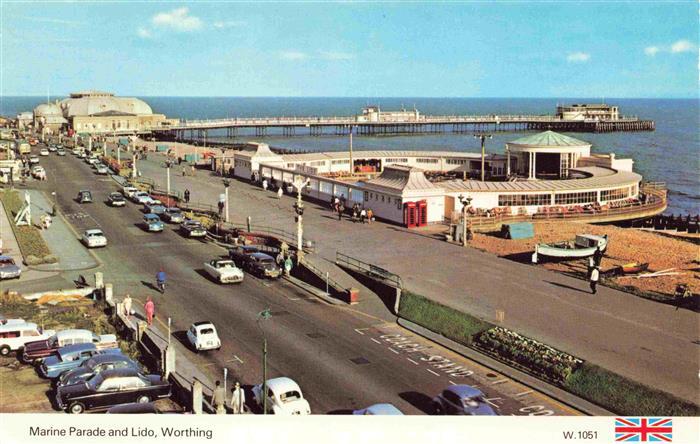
(341, 358)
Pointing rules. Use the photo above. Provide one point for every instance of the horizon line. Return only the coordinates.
(371, 97)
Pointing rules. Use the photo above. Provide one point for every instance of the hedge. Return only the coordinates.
(31, 243)
(439, 318)
(624, 396)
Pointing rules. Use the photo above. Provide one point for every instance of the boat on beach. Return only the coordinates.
(584, 245)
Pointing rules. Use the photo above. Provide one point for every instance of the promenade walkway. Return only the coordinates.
(653, 343)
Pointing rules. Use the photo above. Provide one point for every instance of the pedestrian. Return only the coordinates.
(193, 170)
(218, 399)
(341, 210)
(597, 256)
(187, 195)
(370, 215)
(288, 266)
(279, 259)
(127, 305)
(363, 215)
(237, 399)
(355, 213)
(47, 221)
(595, 274)
(150, 309)
(42, 221)
(264, 184)
(184, 173)
(279, 193)
(221, 208)
(179, 160)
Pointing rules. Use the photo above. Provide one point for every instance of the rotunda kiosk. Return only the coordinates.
(546, 155)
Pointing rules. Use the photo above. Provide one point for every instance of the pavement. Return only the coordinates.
(653, 343)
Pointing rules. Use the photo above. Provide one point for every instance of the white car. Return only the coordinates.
(141, 197)
(129, 191)
(101, 169)
(44, 151)
(14, 335)
(224, 271)
(33, 159)
(39, 172)
(94, 238)
(202, 335)
(81, 154)
(283, 397)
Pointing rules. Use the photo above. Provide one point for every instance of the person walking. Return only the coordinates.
(370, 215)
(187, 196)
(595, 275)
(127, 305)
(279, 193)
(150, 309)
(363, 215)
(264, 184)
(218, 399)
(341, 210)
(237, 399)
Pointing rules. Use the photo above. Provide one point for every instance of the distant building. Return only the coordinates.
(588, 111)
(375, 114)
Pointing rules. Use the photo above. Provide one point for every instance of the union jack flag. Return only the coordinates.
(644, 429)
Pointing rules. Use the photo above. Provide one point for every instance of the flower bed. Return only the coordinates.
(540, 359)
(31, 244)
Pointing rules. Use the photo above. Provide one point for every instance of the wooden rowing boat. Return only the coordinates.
(584, 245)
(634, 268)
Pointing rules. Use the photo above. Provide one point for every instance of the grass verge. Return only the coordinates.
(31, 244)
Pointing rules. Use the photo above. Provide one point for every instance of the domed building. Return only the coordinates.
(48, 118)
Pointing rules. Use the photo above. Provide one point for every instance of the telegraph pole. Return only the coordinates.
(299, 210)
(483, 137)
(167, 172)
(226, 185)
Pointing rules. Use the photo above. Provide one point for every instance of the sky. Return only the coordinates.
(351, 49)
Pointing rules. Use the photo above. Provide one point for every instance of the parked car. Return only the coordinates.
(61, 152)
(15, 335)
(116, 199)
(193, 228)
(84, 196)
(238, 253)
(203, 336)
(110, 388)
(173, 215)
(94, 238)
(141, 197)
(461, 399)
(10, 321)
(52, 148)
(91, 159)
(161, 406)
(44, 151)
(81, 154)
(9, 269)
(37, 350)
(261, 265)
(39, 172)
(153, 223)
(154, 206)
(283, 397)
(102, 169)
(95, 365)
(75, 150)
(379, 409)
(224, 271)
(33, 159)
(129, 191)
(69, 357)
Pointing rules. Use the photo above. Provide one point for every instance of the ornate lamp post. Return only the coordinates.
(465, 201)
(263, 316)
(227, 183)
(483, 138)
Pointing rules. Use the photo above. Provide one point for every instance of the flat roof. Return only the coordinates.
(332, 155)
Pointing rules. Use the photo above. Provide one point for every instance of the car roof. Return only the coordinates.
(464, 391)
(151, 216)
(202, 323)
(262, 256)
(84, 191)
(76, 348)
(3, 258)
(18, 326)
(119, 372)
(93, 231)
(282, 384)
(384, 409)
(72, 333)
(171, 209)
(110, 357)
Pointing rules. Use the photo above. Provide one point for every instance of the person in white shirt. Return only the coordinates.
(595, 275)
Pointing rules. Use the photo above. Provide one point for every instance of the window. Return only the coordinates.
(366, 196)
(318, 163)
(382, 198)
(30, 333)
(9, 334)
(340, 162)
(426, 160)
(109, 385)
(290, 165)
(451, 397)
(456, 161)
(614, 194)
(396, 160)
(575, 198)
(523, 200)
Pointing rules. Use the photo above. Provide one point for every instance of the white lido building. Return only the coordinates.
(540, 173)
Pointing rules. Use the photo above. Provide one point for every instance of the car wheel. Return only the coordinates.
(5, 350)
(76, 408)
(437, 409)
(143, 399)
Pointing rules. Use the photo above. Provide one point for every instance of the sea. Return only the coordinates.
(670, 154)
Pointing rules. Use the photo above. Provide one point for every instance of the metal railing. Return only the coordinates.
(330, 282)
(370, 270)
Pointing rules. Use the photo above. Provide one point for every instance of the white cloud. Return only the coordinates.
(682, 46)
(578, 57)
(334, 55)
(651, 50)
(178, 19)
(294, 55)
(228, 24)
(144, 33)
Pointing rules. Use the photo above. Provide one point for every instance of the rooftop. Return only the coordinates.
(548, 138)
(401, 178)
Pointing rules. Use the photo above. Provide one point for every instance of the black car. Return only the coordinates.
(84, 196)
(110, 388)
(116, 199)
(261, 265)
(238, 254)
(96, 365)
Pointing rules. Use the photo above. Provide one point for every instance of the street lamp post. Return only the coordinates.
(465, 201)
(263, 316)
(167, 181)
(299, 210)
(483, 138)
(227, 183)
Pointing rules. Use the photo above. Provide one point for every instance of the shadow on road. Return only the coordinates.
(420, 401)
(567, 286)
(150, 285)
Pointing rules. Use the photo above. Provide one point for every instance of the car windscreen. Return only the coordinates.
(95, 234)
(7, 261)
(206, 331)
(290, 396)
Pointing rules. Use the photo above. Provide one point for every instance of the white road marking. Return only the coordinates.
(523, 393)
(235, 358)
(500, 381)
(358, 330)
(436, 374)
(488, 400)
(452, 383)
(375, 341)
(393, 350)
(412, 361)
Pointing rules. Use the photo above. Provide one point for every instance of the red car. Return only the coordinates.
(37, 350)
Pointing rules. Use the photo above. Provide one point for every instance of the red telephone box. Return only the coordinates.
(410, 215)
(422, 208)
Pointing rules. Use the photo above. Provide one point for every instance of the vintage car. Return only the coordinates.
(38, 172)
(129, 191)
(283, 397)
(44, 151)
(9, 269)
(153, 223)
(461, 399)
(94, 238)
(33, 159)
(15, 335)
(102, 169)
(203, 336)
(110, 388)
(10, 321)
(238, 253)
(161, 406)
(84, 196)
(61, 152)
(52, 148)
(173, 215)
(379, 409)
(141, 197)
(69, 357)
(95, 365)
(223, 271)
(261, 265)
(154, 206)
(192, 228)
(116, 199)
(37, 350)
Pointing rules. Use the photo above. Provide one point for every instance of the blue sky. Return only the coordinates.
(466, 49)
